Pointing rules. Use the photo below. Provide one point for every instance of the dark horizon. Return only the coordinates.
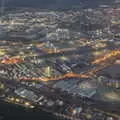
(55, 4)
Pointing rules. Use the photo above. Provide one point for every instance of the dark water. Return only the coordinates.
(14, 112)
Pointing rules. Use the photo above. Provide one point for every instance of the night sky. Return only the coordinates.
(54, 3)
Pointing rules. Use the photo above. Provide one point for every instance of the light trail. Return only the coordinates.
(68, 75)
(11, 61)
(101, 61)
(113, 54)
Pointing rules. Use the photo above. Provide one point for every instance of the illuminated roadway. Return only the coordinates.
(113, 54)
(68, 75)
(103, 62)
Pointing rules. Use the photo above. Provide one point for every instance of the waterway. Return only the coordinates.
(14, 112)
